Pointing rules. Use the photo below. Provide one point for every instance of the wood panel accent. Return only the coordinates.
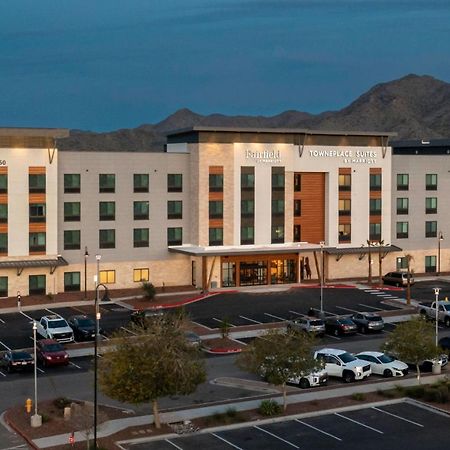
(215, 223)
(345, 195)
(312, 197)
(375, 170)
(3, 227)
(38, 253)
(215, 169)
(3, 198)
(375, 219)
(3, 170)
(36, 198)
(345, 220)
(345, 170)
(37, 227)
(375, 194)
(215, 196)
(259, 257)
(36, 170)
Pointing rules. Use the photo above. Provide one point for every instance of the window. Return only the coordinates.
(107, 211)
(431, 229)
(216, 209)
(430, 264)
(175, 209)
(3, 242)
(431, 205)
(402, 263)
(37, 242)
(141, 210)
(71, 281)
(247, 208)
(247, 180)
(36, 183)
(345, 232)
(72, 183)
(141, 182)
(297, 233)
(72, 211)
(3, 183)
(402, 205)
(107, 182)
(375, 181)
(140, 237)
(174, 236)
(140, 275)
(72, 239)
(277, 178)
(345, 182)
(277, 234)
(216, 236)
(431, 182)
(107, 276)
(297, 182)
(345, 207)
(277, 207)
(37, 212)
(36, 284)
(174, 182)
(375, 231)
(247, 235)
(297, 208)
(3, 286)
(3, 212)
(375, 206)
(216, 182)
(402, 182)
(402, 230)
(107, 238)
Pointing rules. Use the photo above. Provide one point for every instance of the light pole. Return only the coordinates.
(36, 419)
(97, 318)
(322, 243)
(436, 293)
(369, 254)
(440, 238)
(86, 255)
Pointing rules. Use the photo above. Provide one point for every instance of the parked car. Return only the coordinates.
(55, 327)
(341, 364)
(368, 322)
(382, 364)
(398, 279)
(339, 326)
(427, 364)
(83, 327)
(51, 353)
(14, 361)
(444, 343)
(307, 324)
(140, 316)
(428, 310)
(193, 338)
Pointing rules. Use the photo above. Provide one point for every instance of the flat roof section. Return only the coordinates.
(31, 137)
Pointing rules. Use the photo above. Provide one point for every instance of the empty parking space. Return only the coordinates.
(401, 425)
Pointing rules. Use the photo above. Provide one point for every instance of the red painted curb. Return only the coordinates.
(327, 286)
(19, 432)
(222, 351)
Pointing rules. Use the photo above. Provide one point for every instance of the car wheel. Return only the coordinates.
(304, 383)
(447, 322)
(387, 373)
(348, 376)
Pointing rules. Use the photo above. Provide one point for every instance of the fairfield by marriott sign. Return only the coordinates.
(263, 156)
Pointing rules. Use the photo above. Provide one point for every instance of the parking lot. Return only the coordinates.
(399, 425)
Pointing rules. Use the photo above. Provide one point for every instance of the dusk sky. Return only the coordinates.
(107, 64)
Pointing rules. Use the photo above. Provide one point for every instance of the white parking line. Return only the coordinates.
(106, 338)
(40, 370)
(275, 436)
(348, 309)
(398, 417)
(2, 321)
(333, 337)
(73, 364)
(371, 307)
(275, 317)
(329, 313)
(3, 374)
(250, 320)
(4, 345)
(51, 312)
(370, 291)
(359, 423)
(297, 313)
(27, 316)
(173, 443)
(221, 321)
(128, 331)
(226, 442)
(318, 429)
(201, 325)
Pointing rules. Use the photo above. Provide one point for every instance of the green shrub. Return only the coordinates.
(445, 394)
(359, 396)
(225, 328)
(387, 393)
(149, 290)
(431, 394)
(231, 413)
(269, 408)
(415, 391)
(45, 418)
(61, 402)
(228, 417)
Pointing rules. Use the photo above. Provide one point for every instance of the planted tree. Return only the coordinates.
(413, 341)
(149, 290)
(157, 362)
(279, 357)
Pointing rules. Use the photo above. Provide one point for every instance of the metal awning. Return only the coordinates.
(28, 263)
(363, 249)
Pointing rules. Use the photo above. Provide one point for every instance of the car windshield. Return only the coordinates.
(346, 357)
(57, 323)
(86, 322)
(53, 348)
(386, 358)
(346, 322)
(21, 355)
(316, 323)
(447, 307)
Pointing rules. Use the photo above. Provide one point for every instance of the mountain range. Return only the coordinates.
(415, 107)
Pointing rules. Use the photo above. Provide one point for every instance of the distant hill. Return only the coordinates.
(414, 106)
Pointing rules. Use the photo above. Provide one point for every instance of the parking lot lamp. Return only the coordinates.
(440, 238)
(97, 318)
(36, 419)
(436, 293)
(86, 255)
(322, 243)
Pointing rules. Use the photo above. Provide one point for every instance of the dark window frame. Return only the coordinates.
(172, 184)
(105, 186)
(137, 186)
(72, 244)
(68, 187)
(107, 243)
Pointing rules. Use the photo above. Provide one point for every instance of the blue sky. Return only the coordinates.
(108, 64)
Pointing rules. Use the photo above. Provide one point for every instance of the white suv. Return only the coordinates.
(339, 363)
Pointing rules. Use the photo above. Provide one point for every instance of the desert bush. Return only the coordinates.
(359, 396)
(415, 391)
(61, 402)
(149, 290)
(269, 408)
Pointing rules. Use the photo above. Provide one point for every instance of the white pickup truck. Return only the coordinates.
(429, 310)
(54, 327)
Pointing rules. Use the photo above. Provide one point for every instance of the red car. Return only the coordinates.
(51, 353)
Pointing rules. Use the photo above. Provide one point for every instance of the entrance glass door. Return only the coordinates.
(253, 273)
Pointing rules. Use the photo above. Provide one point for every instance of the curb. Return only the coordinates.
(18, 431)
(222, 351)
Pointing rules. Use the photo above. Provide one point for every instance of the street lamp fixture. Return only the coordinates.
(436, 293)
(36, 419)
(440, 238)
(322, 243)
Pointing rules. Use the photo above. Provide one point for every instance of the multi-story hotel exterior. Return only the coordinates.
(220, 207)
